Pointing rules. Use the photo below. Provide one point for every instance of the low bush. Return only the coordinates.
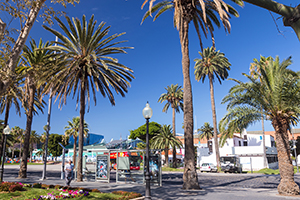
(16, 187)
(44, 186)
(37, 185)
(96, 190)
(57, 186)
(127, 195)
(10, 187)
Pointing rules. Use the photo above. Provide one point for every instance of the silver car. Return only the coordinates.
(208, 167)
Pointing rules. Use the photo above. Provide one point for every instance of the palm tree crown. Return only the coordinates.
(206, 131)
(202, 14)
(85, 61)
(213, 63)
(173, 98)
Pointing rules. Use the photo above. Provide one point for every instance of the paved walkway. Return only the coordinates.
(229, 187)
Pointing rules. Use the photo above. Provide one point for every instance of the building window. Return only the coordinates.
(245, 143)
(240, 143)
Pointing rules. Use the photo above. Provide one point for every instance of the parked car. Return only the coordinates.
(208, 167)
(230, 164)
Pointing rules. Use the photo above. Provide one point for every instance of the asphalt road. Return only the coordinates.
(214, 186)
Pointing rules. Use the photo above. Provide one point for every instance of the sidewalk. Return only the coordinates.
(169, 190)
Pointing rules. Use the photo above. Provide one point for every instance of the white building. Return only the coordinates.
(248, 146)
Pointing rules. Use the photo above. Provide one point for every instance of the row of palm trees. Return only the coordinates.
(79, 64)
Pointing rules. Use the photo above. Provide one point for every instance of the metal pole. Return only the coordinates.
(3, 158)
(47, 135)
(63, 165)
(147, 175)
(251, 165)
(48, 128)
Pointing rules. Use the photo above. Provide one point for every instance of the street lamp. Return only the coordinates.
(6, 131)
(147, 113)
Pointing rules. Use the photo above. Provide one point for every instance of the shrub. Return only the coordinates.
(57, 186)
(45, 186)
(127, 195)
(36, 185)
(96, 190)
(10, 186)
(15, 187)
(4, 187)
(51, 186)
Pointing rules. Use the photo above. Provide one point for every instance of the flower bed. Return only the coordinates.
(39, 191)
(63, 194)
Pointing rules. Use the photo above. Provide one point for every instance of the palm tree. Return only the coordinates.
(35, 64)
(18, 137)
(87, 67)
(174, 98)
(164, 140)
(72, 130)
(203, 16)
(206, 131)
(213, 63)
(275, 94)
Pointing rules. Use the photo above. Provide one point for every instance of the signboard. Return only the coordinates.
(102, 167)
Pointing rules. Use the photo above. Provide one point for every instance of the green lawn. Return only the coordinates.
(31, 193)
(270, 171)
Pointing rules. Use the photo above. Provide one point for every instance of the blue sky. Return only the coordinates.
(156, 61)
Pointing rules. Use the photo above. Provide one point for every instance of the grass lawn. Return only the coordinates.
(270, 171)
(31, 193)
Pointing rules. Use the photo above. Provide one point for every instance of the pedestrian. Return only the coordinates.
(68, 172)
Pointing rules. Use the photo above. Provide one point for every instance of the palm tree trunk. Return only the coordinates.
(74, 149)
(13, 153)
(174, 133)
(167, 156)
(23, 167)
(287, 185)
(5, 124)
(190, 178)
(213, 108)
(81, 131)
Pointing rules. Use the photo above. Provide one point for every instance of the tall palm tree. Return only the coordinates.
(213, 64)
(72, 131)
(18, 136)
(173, 98)
(35, 64)
(164, 140)
(203, 15)
(88, 67)
(275, 94)
(206, 131)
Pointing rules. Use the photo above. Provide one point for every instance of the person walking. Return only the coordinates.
(68, 172)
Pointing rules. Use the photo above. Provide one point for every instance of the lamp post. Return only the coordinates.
(6, 131)
(147, 113)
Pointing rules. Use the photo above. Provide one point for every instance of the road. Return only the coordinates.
(214, 186)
